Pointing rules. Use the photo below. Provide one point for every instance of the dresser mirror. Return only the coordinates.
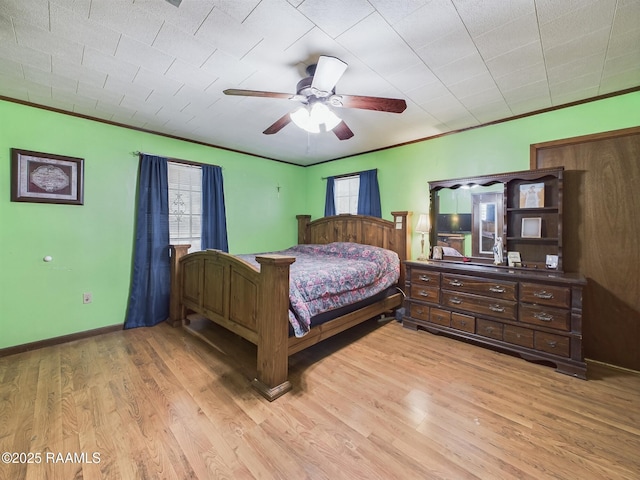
(468, 219)
(469, 215)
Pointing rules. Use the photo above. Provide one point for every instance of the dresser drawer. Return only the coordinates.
(480, 286)
(490, 329)
(463, 322)
(545, 295)
(547, 342)
(547, 316)
(424, 293)
(425, 278)
(439, 316)
(477, 304)
(419, 311)
(518, 336)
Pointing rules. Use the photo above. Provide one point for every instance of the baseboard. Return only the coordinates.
(48, 342)
(609, 365)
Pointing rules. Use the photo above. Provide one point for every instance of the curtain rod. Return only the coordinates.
(175, 160)
(346, 174)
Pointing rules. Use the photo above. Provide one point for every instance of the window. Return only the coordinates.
(346, 194)
(185, 205)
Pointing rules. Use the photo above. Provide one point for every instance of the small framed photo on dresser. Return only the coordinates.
(514, 259)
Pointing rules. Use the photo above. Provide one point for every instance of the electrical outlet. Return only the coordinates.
(87, 297)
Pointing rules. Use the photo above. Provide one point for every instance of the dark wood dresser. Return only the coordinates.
(537, 315)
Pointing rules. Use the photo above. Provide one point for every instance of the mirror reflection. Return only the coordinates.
(469, 219)
(488, 226)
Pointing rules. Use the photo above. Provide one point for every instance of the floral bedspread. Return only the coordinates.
(325, 277)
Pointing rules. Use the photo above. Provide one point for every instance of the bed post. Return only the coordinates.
(272, 322)
(402, 221)
(303, 229)
(175, 307)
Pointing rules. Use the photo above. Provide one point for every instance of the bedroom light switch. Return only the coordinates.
(87, 297)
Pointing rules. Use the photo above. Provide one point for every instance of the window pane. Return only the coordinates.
(185, 204)
(346, 194)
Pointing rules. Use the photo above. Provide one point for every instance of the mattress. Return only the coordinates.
(326, 278)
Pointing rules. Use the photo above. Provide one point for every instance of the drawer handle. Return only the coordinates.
(463, 323)
(419, 311)
(456, 301)
(424, 278)
(496, 308)
(551, 343)
(543, 294)
(488, 329)
(497, 289)
(545, 317)
(456, 283)
(423, 293)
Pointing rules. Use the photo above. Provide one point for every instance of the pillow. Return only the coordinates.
(451, 252)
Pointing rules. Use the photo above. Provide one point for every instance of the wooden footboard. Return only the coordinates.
(254, 303)
(249, 302)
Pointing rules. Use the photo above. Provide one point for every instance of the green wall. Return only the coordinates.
(92, 245)
(404, 172)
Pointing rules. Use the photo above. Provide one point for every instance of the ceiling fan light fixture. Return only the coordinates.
(317, 94)
(312, 119)
(302, 118)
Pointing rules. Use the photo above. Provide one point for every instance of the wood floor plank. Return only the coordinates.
(376, 402)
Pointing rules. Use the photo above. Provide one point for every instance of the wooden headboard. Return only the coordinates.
(393, 235)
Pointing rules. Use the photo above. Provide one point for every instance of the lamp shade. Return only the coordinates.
(423, 223)
(310, 119)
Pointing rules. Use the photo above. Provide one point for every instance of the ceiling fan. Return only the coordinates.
(317, 94)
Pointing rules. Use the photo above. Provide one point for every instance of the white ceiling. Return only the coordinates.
(457, 63)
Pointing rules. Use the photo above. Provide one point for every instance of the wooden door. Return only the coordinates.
(601, 236)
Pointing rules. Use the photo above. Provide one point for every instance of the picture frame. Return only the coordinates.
(532, 195)
(514, 259)
(552, 261)
(437, 253)
(46, 178)
(531, 227)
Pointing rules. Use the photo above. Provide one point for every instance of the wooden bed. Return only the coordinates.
(254, 304)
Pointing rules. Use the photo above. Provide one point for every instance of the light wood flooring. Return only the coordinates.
(377, 402)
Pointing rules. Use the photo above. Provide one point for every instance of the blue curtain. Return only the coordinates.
(214, 219)
(369, 194)
(150, 283)
(329, 201)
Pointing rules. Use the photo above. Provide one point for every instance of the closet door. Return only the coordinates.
(601, 236)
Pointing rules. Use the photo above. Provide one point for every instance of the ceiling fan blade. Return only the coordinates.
(381, 104)
(278, 125)
(259, 93)
(342, 131)
(328, 72)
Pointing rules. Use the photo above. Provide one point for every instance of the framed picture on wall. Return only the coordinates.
(46, 178)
